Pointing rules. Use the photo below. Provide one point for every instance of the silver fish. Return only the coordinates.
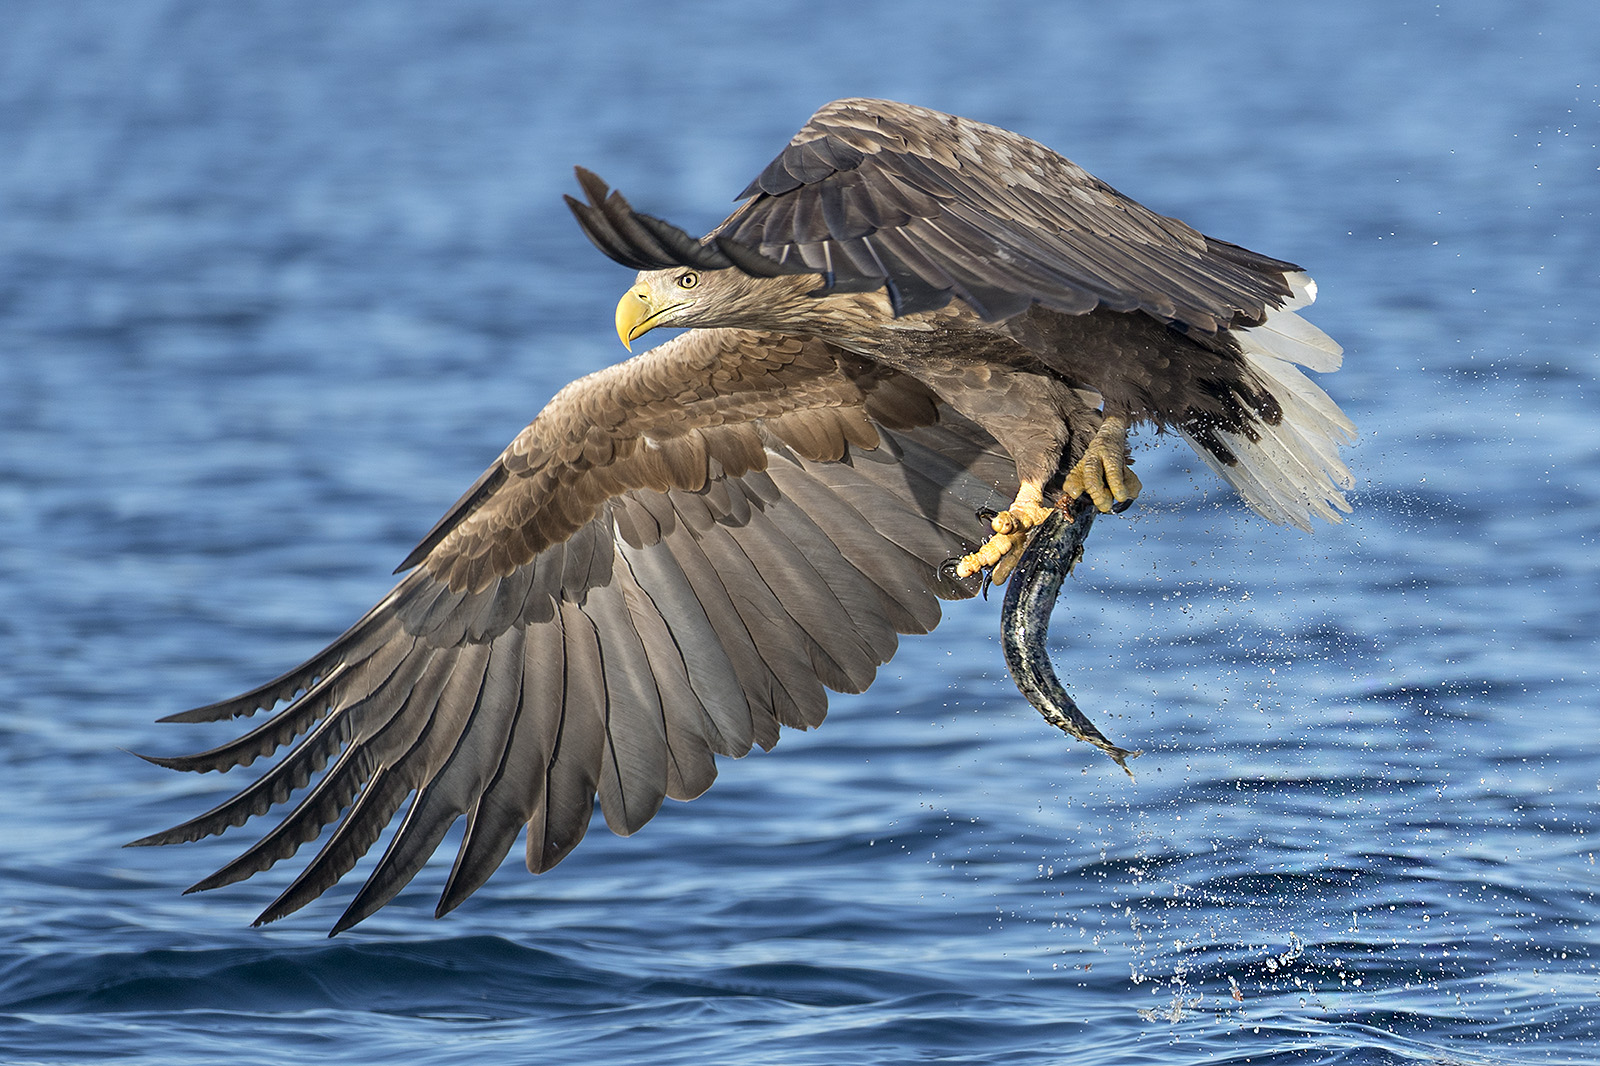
(1055, 549)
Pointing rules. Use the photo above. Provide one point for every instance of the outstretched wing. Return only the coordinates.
(674, 559)
(873, 193)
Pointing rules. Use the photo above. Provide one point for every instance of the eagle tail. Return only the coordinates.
(1290, 470)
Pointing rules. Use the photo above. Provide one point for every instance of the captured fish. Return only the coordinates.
(1055, 549)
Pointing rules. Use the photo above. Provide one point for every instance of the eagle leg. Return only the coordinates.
(1000, 552)
(1104, 472)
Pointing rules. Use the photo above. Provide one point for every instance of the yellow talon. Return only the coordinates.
(1000, 552)
(1104, 471)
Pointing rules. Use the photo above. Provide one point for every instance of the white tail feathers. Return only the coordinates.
(1293, 470)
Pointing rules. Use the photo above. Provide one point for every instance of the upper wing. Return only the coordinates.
(671, 561)
(873, 193)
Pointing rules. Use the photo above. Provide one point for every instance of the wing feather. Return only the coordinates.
(515, 790)
(358, 774)
(759, 689)
(708, 708)
(420, 742)
(476, 740)
(679, 555)
(633, 776)
(982, 214)
(572, 777)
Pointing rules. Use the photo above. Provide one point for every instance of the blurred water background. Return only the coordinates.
(277, 280)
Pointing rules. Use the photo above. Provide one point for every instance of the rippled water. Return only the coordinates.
(277, 280)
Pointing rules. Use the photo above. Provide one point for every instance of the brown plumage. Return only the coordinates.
(938, 245)
(913, 318)
(674, 559)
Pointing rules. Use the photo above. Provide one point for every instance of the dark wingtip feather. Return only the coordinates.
(593, 186)
(345, 922)
(173, 762)
(598, 220)
(677, 242)
(192, 829)
(183, 833)
(154, 840)
(221, 757)
(253, 702)
(462, 884)
(598, 229)
(640, 242)
(361, 908)
(230, 874)
(211, 712)
(281, 689)
(752, 262)
(636, 240)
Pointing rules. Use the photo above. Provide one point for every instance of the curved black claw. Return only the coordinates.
(1025, 622)
(986, 515)
(950, 570)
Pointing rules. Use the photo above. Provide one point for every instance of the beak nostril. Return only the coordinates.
(635, 311)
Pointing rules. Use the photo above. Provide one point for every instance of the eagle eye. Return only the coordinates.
(687, 280)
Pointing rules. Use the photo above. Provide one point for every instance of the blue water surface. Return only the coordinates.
(277, 280)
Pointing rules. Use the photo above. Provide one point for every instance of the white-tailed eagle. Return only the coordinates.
(911, 318)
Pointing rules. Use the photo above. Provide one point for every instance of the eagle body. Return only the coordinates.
(922, 213)
(911, 318)
(978, 368)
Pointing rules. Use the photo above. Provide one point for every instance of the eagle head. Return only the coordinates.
(685, 297)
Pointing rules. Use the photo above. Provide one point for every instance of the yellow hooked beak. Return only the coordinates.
(638, 314)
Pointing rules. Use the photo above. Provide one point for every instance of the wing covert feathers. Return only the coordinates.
(679, 556)
(933, 207)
